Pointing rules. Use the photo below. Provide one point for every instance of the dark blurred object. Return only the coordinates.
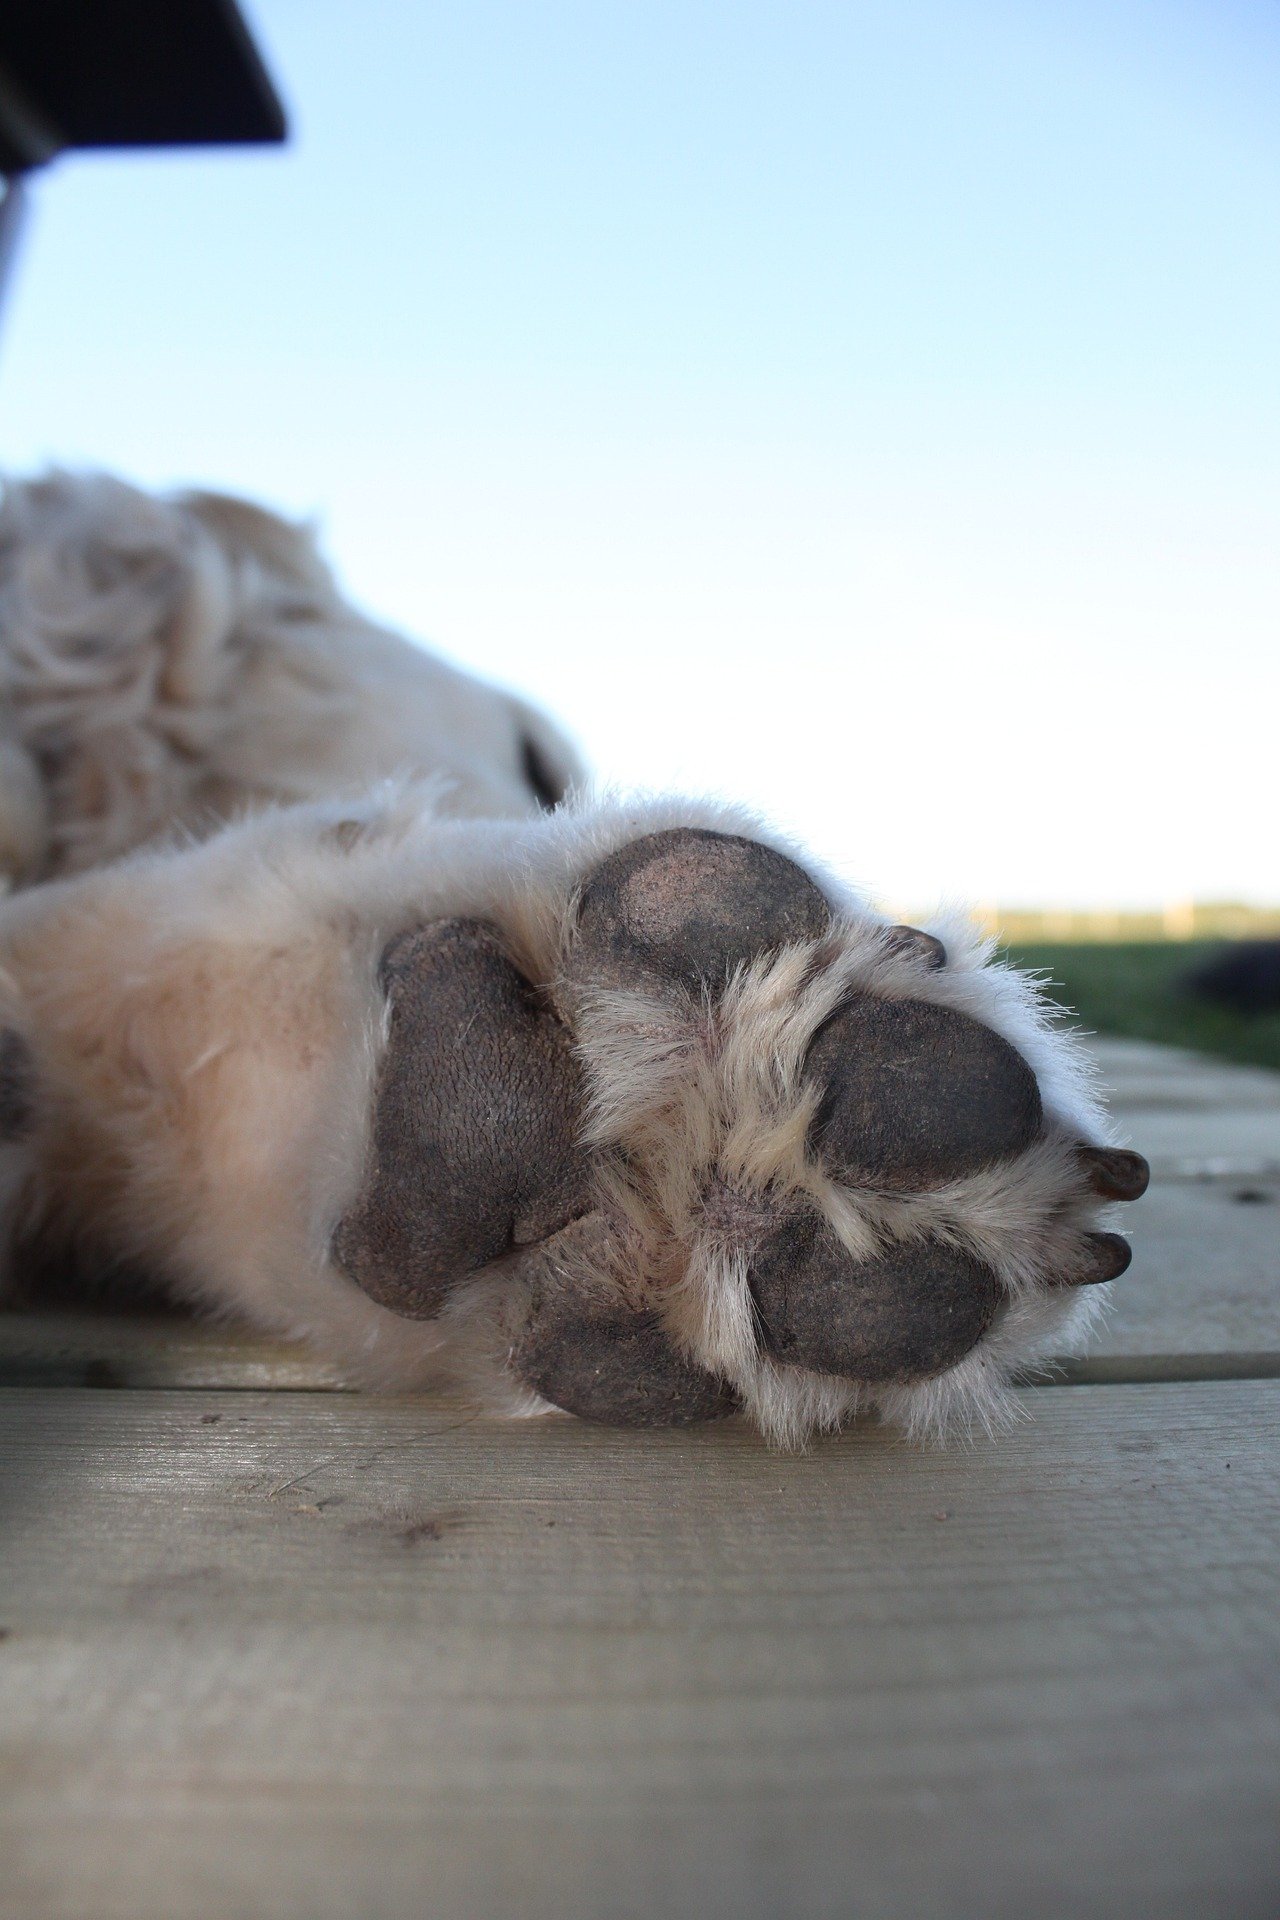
(128, 73)
(12, 211)
(1244, 976)
(123, 73)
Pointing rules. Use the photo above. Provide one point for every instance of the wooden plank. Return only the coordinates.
(1202, 1299)
(1203, 1294)
(1192, 1116)
(311, 1655)
(120, 1349)
(1218, 1145)
(1139, 1076)
(1206, 1271)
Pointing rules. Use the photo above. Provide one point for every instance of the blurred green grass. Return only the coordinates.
(1134, 988)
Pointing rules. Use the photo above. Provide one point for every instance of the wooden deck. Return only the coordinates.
(269, 1648)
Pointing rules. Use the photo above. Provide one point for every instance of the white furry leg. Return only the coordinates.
(621, 1110)
(199, 1056)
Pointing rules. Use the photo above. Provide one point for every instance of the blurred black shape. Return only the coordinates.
(128, 73)
(1244, 976)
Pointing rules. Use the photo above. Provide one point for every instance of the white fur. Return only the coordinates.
(167, 663)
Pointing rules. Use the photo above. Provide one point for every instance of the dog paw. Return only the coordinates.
(735, 1148)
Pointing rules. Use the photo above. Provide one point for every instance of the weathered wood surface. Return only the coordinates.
(311, 1655)
(1137, 1075)
(1205, 1282)
(1194, 1118)
(118, 1349)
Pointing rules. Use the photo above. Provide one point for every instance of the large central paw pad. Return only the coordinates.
(619, 1268)
(475, 1131)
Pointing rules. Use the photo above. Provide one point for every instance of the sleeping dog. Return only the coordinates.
(331, 998)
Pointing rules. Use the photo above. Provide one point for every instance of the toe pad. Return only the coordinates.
(917, 1094)
(906, 1314)
(583, 1348)
(690, 906)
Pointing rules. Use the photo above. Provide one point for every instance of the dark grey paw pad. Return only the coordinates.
(474, 1139)
(906, 1314)
(916, 1094)
(615, 1367)
(690, 906)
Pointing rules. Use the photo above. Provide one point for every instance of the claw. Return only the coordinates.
(913, 943)
(1115, 1173)
(1107, 1255)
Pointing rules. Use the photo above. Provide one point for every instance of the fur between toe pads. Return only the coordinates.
(754, 1210)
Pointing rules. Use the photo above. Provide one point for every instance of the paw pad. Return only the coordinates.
(916, 1094)
(690, 906)
(906, 1314)
(475, 1131)
(587, 1353)
(17, 1086)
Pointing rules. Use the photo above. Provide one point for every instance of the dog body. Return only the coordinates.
(322, 1004)
(167, 665)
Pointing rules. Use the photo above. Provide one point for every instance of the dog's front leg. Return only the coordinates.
(626, 1111)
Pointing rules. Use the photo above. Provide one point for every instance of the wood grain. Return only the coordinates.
(119, 1349)
(311, 1655)
(1193, 1117)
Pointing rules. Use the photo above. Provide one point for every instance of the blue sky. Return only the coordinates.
(870, 411)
